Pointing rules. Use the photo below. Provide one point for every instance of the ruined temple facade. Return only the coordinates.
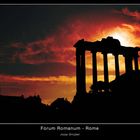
(105, 46)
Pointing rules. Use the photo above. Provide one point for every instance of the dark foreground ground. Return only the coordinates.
(120, 104)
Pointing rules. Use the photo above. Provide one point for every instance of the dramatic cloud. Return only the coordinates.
(58, 47)
(135, 14)
(46, 65)
(48, 69)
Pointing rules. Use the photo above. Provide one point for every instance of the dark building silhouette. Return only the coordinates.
(115, 101)
(20, 109)
(105, 46)
(61, 104)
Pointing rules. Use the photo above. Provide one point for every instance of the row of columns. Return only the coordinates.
(81, 69)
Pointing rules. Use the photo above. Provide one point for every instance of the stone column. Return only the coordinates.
(80, 72)
(128, 63)
(106, 79)
(78, 69)
(117, 72)
(136, 62)
(83, 73)
(94, 67)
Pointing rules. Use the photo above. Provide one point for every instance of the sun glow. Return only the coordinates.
(124, 35)
(121, 37)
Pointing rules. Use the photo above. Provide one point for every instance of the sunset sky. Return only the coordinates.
(36, 45)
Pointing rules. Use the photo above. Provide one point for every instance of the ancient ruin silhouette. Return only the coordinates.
(106, 46)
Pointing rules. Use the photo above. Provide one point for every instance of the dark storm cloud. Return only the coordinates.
(49, 69)
(130, 13)
(29, 22)
(42, 70)
(24, 24)
(134, 14)
(9, 53)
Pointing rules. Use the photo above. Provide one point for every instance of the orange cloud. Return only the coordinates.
(134, 14)
(51, 79)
